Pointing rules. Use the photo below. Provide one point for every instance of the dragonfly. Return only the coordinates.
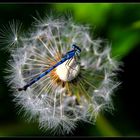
(68, 56)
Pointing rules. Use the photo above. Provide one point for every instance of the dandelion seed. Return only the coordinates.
(9, 34)
(75, 90)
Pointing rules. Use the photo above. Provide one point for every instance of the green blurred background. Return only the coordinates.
(120, 25)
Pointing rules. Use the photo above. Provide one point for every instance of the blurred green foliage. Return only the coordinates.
(118, 23)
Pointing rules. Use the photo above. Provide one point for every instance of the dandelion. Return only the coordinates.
(74, 91)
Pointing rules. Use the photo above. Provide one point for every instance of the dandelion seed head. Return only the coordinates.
(76, 90)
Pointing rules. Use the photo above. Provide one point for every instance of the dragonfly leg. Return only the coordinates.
(68, 62)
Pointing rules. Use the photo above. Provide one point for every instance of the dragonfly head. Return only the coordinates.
(76, 48)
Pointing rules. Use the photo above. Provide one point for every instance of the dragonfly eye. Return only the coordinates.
(76, 48)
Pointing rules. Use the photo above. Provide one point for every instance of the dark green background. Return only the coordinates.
(120, 24)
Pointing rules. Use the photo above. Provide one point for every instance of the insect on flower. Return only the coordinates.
(68, 56)
(56, 87)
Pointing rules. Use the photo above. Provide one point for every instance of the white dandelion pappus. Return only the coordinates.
(9, 34)
(72, 92)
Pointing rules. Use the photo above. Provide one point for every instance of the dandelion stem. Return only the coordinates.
(37, 61)
(38, 55)
(88, 82)
(61, 106)
(41, 82)
(84, 91)
(54, 104)
(54, 41)
(31, 76)
(36, 64)
(49, 84)
(46, 47)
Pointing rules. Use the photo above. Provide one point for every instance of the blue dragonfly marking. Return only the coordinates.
(68, 56)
